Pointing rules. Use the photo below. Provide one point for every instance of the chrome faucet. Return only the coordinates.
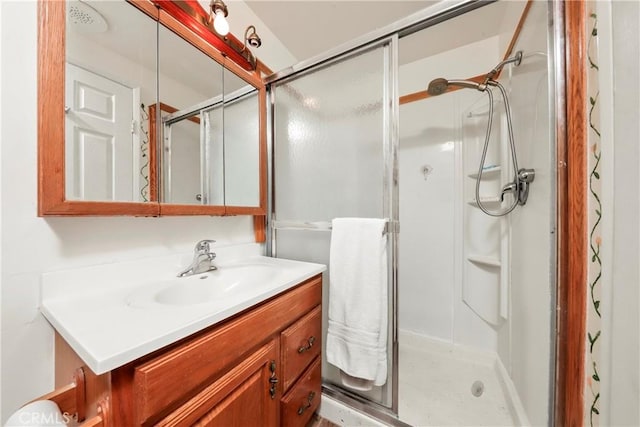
(202, 259)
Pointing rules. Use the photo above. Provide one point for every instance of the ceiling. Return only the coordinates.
(310, 27)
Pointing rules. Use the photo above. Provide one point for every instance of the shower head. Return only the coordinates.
(440, 85)
(437, 87)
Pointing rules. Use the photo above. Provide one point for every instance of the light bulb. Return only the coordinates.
(220, 23)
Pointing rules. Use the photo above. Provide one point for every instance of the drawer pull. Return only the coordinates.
(307, 405)
(310, 342)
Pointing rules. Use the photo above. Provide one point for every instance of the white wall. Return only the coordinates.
(32, 245)
(620, 95)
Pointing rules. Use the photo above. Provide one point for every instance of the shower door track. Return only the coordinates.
(359, 403)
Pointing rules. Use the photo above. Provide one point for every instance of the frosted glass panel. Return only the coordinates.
(329, 142)
(214, 155)
(182, 161)
(242, 152)
(329, 162)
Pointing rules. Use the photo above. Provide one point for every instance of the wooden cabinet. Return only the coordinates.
(258, 368)
(241, 397)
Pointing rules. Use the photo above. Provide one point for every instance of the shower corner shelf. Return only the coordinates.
(490, 261)
(489, 172)
(489, 202)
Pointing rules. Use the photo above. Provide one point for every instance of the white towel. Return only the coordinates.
(357, 334)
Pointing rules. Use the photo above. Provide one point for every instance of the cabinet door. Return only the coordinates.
(241, 397)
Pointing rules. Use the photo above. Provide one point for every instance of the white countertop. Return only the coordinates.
(97, 309)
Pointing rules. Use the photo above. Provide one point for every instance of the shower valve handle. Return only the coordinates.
(512, 187)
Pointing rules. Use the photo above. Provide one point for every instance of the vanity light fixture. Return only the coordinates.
(207, 24)
(219, 14)
(251, 37)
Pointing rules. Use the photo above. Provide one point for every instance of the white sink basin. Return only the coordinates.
(228, 281)
(131, 309)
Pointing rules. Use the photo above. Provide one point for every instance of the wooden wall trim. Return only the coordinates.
(260, 228)
(418, 96)
(516, 33)
(572, 244)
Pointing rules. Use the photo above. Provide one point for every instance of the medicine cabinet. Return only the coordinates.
(139, 114)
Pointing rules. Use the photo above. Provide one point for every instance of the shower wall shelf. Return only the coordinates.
(490, 172)
(489, 261)
(485, 245)
(488, 202)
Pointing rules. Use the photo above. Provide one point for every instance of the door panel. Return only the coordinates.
(331, 147)
(99, 137)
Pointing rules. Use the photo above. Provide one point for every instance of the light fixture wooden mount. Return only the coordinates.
(193, 15)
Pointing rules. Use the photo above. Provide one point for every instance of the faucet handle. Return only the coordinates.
(511, 187)
(203, 246)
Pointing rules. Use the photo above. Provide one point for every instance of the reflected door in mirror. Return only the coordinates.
(99, 140)
(110, 75)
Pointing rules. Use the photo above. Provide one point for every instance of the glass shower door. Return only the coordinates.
(332, 157)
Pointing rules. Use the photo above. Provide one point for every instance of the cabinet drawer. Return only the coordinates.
(300, 345)
(303, 399)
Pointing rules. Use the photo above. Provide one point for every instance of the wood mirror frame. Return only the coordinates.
(52, 200)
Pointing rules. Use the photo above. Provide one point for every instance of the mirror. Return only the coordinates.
(110, 76)
(143, 103)
(191, 163)
(241, 154)
(219, 163)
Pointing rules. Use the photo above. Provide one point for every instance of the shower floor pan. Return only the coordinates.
(445, 385)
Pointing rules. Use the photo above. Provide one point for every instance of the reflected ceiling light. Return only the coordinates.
(251, 37)
(219, 14)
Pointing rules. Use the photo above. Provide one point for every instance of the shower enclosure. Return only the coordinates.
(356, 133)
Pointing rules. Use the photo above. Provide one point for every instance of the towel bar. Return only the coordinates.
(390, 226)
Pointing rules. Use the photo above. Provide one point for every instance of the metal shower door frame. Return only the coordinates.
(390, 194)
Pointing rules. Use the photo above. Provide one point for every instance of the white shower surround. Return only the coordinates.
(431, 213)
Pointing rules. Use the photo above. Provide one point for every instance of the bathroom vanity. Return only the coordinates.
(246, 371)
(253, 365)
